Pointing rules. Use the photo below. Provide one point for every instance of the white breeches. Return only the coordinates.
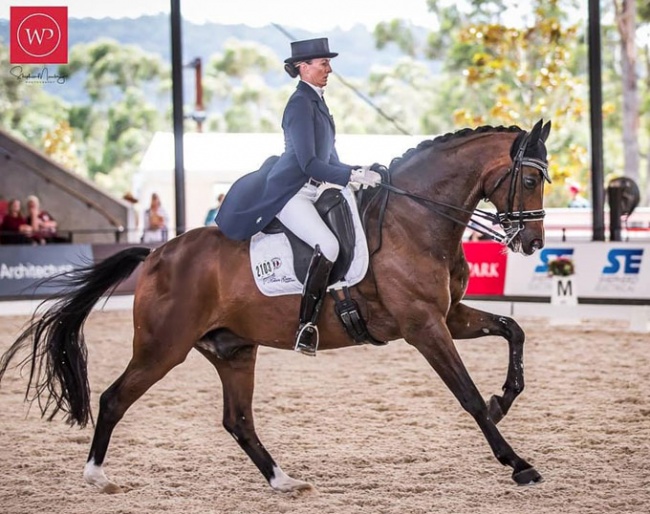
(300, 216)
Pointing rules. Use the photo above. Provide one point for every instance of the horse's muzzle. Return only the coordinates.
(532, 247)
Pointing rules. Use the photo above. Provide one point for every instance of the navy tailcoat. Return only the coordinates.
(254, 199)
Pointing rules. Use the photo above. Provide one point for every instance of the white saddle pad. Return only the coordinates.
(272, 258)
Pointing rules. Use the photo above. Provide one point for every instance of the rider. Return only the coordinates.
(288, 187)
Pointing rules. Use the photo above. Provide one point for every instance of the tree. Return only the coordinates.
(236, 83)
(59, 145)
(117, 122)
(26, 110)
(625, 11)
(644, 20)
(503, 74)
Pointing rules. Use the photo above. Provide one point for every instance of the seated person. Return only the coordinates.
(155, 222)
(212, 213)
(14, 229)
(42, 223)
(4, 207)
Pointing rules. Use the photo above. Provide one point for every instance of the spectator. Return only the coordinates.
(212, 213)
(577, 200)
(4, 207)
(132, 236)
(42, 223)
(14, 228)
(478, 236)
(155, 222)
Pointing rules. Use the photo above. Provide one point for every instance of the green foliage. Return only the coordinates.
(561, 267)
(643, 10)
(116, 125)
(236, 78)
(241, 58)
(497, 74)
(492, 74)
(110, 66)
(26, 110)
(59, 145)
(395, 31)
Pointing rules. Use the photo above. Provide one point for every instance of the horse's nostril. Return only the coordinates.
(537, 244)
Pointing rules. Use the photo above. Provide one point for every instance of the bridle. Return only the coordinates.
(511, 221)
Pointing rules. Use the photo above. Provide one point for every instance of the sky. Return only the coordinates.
(293, 13)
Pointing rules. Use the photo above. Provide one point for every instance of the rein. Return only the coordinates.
(511, 221)
(433, 205)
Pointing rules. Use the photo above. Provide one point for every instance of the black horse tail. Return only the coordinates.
(58, 373)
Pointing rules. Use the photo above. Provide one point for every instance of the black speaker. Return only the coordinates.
(623, 197)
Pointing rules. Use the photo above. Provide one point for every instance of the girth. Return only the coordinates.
(335, 212)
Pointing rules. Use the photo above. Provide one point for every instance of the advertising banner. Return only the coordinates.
(617, 271)
(487, 268)
(527, 275)
(614, 270)
(603, 270)
(102, 251)
(24, 267)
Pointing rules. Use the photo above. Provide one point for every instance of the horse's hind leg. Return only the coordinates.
(234, 359)
(144, 370)
(468, 323)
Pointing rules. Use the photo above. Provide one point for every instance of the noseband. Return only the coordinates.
(511, 221)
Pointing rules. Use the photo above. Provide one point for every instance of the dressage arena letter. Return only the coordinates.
(38, 35)
(563, 292)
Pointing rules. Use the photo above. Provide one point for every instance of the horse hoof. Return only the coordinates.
(294, 486)
(527, 476)
(494, 410)
(285, 484)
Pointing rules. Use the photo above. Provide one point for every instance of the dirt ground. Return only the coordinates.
(374, 429)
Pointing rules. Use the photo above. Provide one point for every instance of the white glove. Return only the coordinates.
(365, 176)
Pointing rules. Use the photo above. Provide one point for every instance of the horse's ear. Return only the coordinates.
(546, 131)
(535, 133)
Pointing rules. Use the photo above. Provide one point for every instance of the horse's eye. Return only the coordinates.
(530, 183)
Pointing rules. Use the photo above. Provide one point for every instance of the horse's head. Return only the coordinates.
(518, 194)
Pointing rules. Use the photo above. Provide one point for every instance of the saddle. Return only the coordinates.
(335, 211)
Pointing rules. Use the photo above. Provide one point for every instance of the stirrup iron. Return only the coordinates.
(307, 348)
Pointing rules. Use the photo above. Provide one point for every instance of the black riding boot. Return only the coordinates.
(313, 294)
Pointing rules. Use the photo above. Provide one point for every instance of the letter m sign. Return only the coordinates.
(38, 35)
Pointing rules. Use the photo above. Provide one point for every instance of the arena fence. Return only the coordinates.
(609, 278)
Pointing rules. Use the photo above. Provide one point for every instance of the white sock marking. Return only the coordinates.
(283, 482)
(94, 475)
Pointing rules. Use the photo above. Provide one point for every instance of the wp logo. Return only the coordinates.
(39, 35)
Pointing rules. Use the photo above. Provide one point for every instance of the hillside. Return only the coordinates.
(152, 33)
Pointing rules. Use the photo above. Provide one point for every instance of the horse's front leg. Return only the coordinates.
(468, 323)
(433, 340)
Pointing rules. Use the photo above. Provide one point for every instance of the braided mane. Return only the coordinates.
(450, 136)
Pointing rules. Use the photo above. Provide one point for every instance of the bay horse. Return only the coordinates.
(197, 292)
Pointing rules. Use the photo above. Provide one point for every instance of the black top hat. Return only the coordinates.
(309, 49)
